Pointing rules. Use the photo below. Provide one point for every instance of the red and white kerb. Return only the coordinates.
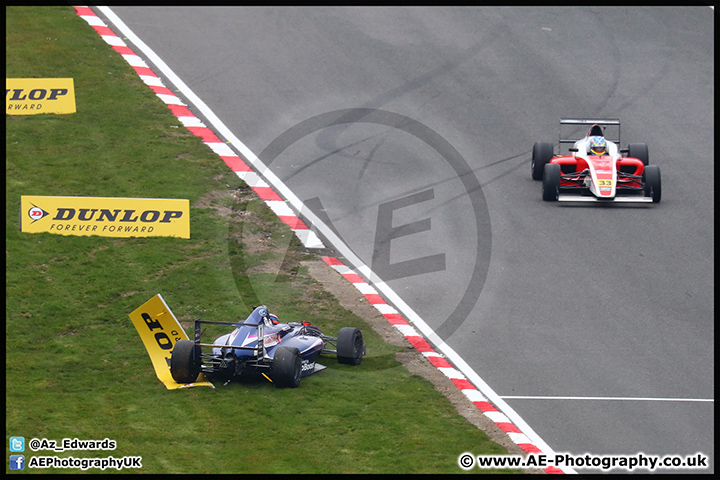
(199, 129)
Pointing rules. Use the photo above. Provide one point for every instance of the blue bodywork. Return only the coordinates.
(240, 352)
(260, 345)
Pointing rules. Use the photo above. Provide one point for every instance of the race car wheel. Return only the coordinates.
(287, 367)
(653, 187)
(350, 347)
(639, 151)
(185, 362)
(551, 183)
(542, 153)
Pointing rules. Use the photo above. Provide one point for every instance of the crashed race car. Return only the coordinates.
(262, 346)
(595, 169)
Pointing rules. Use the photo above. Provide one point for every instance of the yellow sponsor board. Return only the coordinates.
(106, 217)
(160, 331)
(31, 96)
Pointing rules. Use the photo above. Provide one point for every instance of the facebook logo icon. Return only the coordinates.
(17, 462)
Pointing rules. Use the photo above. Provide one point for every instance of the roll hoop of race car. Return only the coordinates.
(595, 169)
(261, 345)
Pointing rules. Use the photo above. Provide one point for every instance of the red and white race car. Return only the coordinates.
(595, 169)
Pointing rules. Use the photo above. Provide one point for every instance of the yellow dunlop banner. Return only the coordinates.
(106, 217)
(31, 96)
(159, 331)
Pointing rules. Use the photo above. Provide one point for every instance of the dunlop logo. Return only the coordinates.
(112, 217)
(30, 96)
(19, 94)
(159, 331)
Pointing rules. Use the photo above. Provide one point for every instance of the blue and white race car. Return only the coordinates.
(281, 352)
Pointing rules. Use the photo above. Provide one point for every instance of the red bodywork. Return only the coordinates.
(574, 170)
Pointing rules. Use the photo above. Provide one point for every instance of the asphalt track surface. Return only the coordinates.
(409, 131)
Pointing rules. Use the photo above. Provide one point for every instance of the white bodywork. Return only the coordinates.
(591, 182)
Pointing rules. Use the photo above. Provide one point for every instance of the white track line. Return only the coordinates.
(636, 399)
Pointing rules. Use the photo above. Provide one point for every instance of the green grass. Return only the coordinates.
(75, 365)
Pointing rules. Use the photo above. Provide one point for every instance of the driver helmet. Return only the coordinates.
(598, 145)
(273, 318)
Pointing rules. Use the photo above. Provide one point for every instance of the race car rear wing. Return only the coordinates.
(572, 126)
(259, 348)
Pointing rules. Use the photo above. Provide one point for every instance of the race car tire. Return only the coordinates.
(287, 367)
(551, 183)
(185, 362)
(350, 347)
(542, 153)
(653, 186)
(639, 151)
